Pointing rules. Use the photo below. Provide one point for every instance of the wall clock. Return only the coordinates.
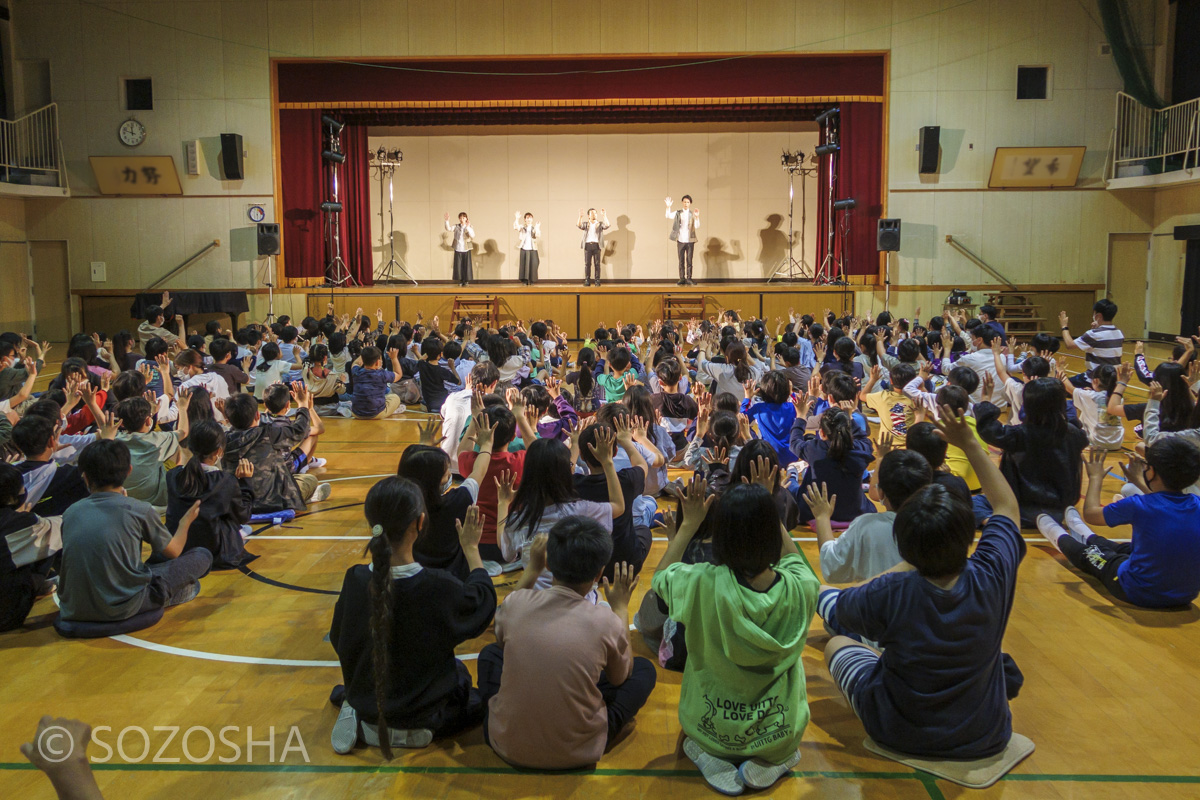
(256, 213)
(131, 133)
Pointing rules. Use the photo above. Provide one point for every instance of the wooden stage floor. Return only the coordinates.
(1111, 696)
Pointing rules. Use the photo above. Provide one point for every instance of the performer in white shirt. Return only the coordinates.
(593, 242)
(528, 232)
(683, 233)
(462, 234)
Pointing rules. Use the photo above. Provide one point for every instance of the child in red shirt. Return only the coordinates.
(504, 425)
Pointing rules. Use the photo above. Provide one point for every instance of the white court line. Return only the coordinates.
(205, 656)
(260, 537)
(358, 478)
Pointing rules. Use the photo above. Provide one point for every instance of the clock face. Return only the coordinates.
(257, 214)
(132, 133)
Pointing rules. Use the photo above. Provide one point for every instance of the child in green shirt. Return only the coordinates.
(613, 380)
(743, 699)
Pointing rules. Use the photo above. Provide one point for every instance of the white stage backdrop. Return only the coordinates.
(735, 179)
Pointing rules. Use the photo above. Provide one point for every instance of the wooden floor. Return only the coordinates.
(1111, 695)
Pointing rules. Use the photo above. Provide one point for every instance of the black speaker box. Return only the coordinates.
(231, 157)
(930, 134)
(268, 239)
(887, 236)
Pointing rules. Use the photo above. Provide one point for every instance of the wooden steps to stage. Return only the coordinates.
(1019, 316)
(676, 307)
(481, 310)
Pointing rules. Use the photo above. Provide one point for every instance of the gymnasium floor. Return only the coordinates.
(1111, 697)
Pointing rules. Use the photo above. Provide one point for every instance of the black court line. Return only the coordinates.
(249, 573)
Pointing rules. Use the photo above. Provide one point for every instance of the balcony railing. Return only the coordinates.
(30, 150)
(1150, 141)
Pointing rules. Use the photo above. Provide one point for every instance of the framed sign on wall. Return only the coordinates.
(136, 175)
(1035, 167)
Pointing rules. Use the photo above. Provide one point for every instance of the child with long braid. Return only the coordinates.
(404, 694)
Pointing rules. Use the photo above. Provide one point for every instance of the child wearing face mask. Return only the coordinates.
(428, 466)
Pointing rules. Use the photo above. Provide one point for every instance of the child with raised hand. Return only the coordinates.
(941, 687)
(372, 400)
(614, 379)
(271, 369)
(504, 427)
(226, 500)
(1160, 566)
(1104, 430)
(769, 404)
(1041, 458)
(746, 619)
(428, 466)
(397, 694)
(896, 410)
(149, 449)
(837, 457)
(868, 546)
(677, 409)
(557, 650)
(554, 413)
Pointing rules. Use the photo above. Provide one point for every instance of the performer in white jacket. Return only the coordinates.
(528, 232)
(463, 233)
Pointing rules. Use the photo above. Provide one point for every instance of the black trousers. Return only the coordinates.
(462, 267)
(685, 250)
(591, 255)
(623, 701)
(1099, 558)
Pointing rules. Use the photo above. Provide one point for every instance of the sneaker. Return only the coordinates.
(511, 567)
(759, 774)
(44, 587)
(721, 775)
(400, 409)
(322, 493)
(345, 730)
(312, 463)
(1075, 526)
(400, 737)
(1050, 530)
(494, 568)
(344, 410)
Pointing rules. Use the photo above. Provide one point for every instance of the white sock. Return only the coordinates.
(1078, 529)
(1051, 530)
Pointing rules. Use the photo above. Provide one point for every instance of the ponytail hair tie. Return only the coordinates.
(376, 530)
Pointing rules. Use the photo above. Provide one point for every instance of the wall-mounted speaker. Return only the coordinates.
(887, 236)
(268, 239)
(231, 157)
(929, 141)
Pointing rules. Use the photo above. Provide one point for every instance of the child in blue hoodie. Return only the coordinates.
(769, 404)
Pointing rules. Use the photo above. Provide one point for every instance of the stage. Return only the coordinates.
(579, 309)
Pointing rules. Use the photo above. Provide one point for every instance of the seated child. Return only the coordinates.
(1104, 430)
(403, 694)
(1160, 566)
(895, 409)
(837, 457)
(557, 651)
(769, 404)
(746, 618)
(277, 402)
(867, 547)
(613, 379)
(678, 411)
(428, 466)
(226, 499)
(50, 488)
(434, 377)
(631, 535)
(549, 493)
(1041, 459)
(958, 399)
(29, 547)
(326, 385)
(227, 365)
(273, 484)
(103, 578)
(941, 687)
(270, 369)
(652, 437)
(150, 450)
(923, 438)
(372, 400)
(552, 423)
(504, 429)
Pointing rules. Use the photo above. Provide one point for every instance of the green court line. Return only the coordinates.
(928, 780)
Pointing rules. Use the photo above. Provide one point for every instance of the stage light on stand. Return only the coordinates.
(845, 204)
(826, 114)
(826, 149)
(792, 160)
(335, 157)
(330, 207)
(335, 125)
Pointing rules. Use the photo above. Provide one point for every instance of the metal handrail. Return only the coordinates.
(1142, 134)
(950, 240)
(215, 243)
(31, 144)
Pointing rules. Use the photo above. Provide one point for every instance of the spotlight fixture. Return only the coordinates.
(826, 114)
(845, 204)
(335, 125)
(334, 156)
(395, 155)
(795, 159)
(827, 148)
(331, 208)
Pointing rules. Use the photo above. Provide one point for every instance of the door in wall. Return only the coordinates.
(1128, 258)
(51, 290)
(16, 308)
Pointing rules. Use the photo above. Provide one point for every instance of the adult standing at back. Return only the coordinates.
(1103, 344)
(683, 233)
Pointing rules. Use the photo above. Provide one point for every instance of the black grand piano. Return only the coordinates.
(186, 303)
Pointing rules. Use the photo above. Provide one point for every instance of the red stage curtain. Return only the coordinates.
(355, 178)
(302, 176)
(859, 175)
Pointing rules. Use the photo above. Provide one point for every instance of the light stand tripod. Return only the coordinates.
(789, 268)
(386, 161)
(336, 271)
(267, 275)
